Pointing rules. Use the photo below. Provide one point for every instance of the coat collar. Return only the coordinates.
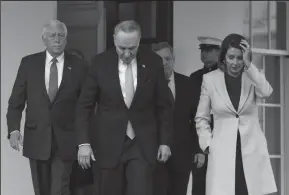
(220, 87)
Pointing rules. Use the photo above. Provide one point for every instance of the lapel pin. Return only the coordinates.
(69, 68)
(143, 66)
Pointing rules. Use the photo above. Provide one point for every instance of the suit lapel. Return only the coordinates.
(220, 87)
(245, 90)
(141, 77)
(40, 71)
(113, 74)
(66, 76)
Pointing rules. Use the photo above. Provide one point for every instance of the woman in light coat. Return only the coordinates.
(238, 160)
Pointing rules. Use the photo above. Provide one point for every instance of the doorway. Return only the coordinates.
(154, 17)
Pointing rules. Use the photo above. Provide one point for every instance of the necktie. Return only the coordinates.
(53, 80)
(129, 93)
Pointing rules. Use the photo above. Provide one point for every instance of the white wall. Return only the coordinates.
(21, 26)
(202, 18)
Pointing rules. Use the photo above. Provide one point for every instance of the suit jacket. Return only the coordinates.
(150, 111)
(185, 139)
(227, 122)
(42, 115)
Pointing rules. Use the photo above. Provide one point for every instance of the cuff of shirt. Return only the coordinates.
(86, 144)
(9, 134)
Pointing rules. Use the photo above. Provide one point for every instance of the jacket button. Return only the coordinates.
(237, 116)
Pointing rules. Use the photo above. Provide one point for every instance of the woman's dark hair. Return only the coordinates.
(232, 40)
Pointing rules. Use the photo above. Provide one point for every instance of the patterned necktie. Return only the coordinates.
(129, 93)
(53, 80)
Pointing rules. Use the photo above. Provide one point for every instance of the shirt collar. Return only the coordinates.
(60, 58)
(132, 62)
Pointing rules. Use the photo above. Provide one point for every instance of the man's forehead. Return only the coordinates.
(127, 35)
(127, 43)
(55, 28)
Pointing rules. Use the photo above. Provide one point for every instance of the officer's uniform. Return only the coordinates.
(199, 174)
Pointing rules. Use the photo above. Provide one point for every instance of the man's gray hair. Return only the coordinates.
(53, 23)
(162, 45)
(127, 26)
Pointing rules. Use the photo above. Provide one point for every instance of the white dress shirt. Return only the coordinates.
(59, 64)
(172, 85)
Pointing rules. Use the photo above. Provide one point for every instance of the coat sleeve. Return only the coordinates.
(194, 98)
(203, 117)
(263, 88)
(164, 106)
(85, 104)
(17, 100)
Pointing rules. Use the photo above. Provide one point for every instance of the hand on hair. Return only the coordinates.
(246, 53)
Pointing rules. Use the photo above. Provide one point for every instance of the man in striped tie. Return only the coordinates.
(134, 110)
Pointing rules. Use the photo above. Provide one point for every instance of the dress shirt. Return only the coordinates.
(172, 85)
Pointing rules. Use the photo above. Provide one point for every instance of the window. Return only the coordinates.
(265, 28)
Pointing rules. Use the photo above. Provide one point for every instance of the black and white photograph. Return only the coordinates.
(144, 97)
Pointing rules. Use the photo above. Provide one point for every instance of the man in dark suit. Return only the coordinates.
(172, 177)
(134, 106)
(210, 49)
(48, 84)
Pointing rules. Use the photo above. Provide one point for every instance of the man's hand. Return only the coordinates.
(16, 140)
(199, 159)
(164, 153)
(84, 155)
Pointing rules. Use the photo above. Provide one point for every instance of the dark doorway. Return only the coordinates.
(154, 17)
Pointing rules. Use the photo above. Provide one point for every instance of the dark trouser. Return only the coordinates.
(169, 181)
(81, 180)
(199, 179)
(133, 176)
(51, 177)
